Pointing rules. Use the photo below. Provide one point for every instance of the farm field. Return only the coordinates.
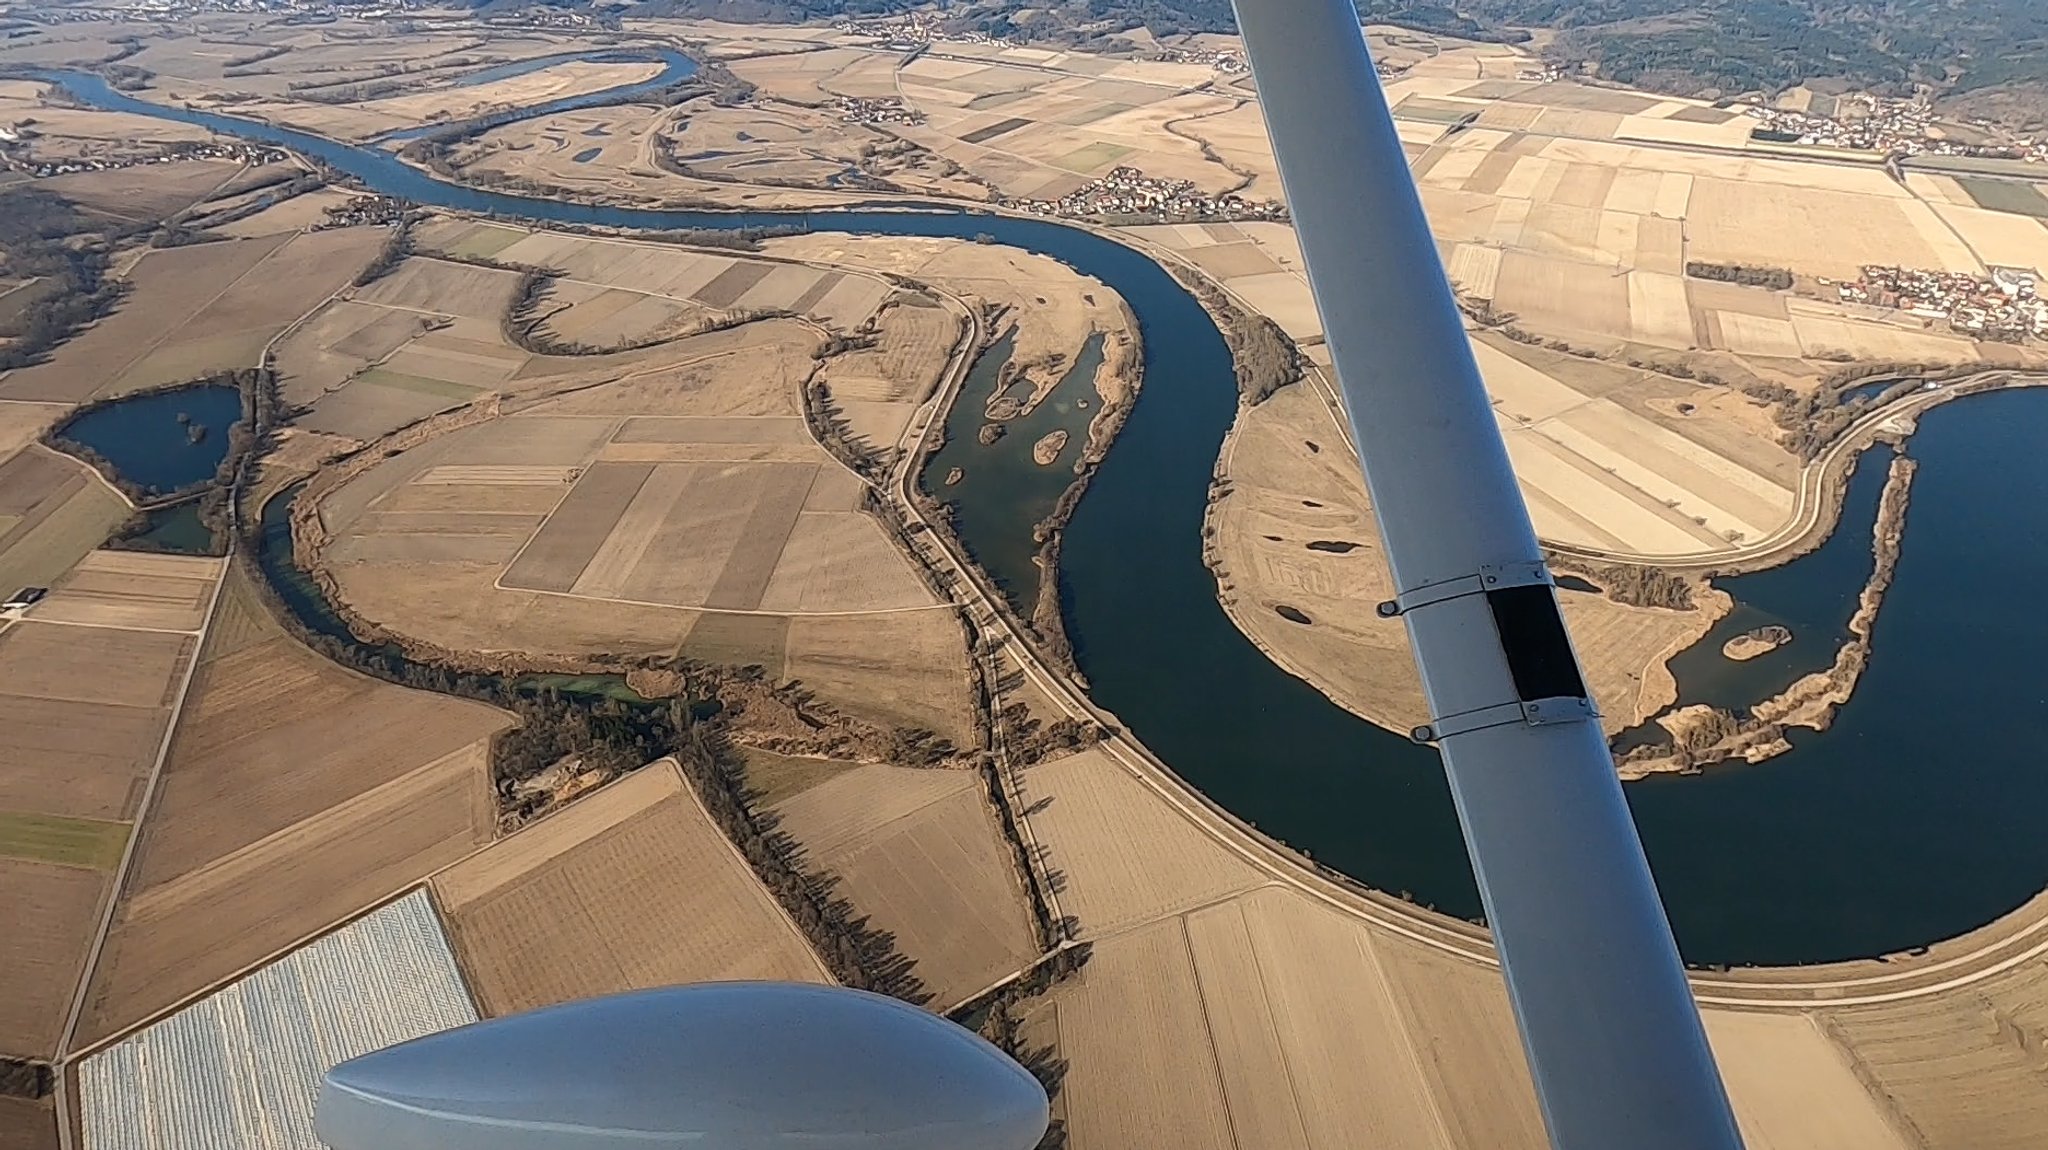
(82, 714)
(681, 507)
(592, 900)
(1324, 562)
(384, 785)
(27, 1125)
(429, 337)
(198, 309)
(261, 1044)
(53, 511)
(918, 851)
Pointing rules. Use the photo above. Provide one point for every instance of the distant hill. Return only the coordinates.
(1982, 56)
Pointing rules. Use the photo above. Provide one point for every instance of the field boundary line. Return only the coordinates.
(32, 618)
(499, 585)
(215, 987)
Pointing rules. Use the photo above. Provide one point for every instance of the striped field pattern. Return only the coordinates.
(241, 1068)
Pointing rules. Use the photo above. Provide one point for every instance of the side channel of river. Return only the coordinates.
(1916, 818)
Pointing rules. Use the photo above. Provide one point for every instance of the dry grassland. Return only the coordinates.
(197, 309)
(771, 778)
(23, 423)
(905, 668)
(805, 148)
(573, 78)
(919, 853)
(631, 887)
(50, 912)
(134, 589)
(1263, 559)
(1053, 307)
(296, 214)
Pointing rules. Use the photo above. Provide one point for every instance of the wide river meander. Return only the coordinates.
(1917, 817)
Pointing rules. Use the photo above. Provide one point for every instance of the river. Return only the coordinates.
(1917, 817)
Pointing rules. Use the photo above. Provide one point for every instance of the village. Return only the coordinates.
(15, 156)
(1130, 192)
(1875, 124)
(2005, 307)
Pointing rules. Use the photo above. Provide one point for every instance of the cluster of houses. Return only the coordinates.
(2005, 307)
(15, 156)
(1221, 59)
(913, 30)
(876, 110)
(1894, 127)
(1130, 192)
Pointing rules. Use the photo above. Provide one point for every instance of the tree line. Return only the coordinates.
(1748, 275)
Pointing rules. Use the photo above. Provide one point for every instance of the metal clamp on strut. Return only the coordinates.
(1539, 713)
(1491, 577)
(1532, 637)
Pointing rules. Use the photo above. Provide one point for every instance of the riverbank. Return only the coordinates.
(1702, 735)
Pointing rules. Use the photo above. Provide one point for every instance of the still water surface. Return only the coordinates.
(164, 441)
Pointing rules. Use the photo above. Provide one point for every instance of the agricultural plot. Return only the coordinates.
(804, 147)
(145, 193)
(1793, 1087)
(919, 853)
(630, 887)
(346, 790)
(1296, 531)
(1037, 136)
(241, 1068)
(82, 716)
(199, 309)
(685, 509)
(50, 910)
(134, 589)
(1962, 1070)
(1223, 1027)
(53, 510)
(1127, 856)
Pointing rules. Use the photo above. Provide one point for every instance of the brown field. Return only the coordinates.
(1816, 231)
(631, 887)
(50, 911)
(771, 778)
(54, 510)
(1264, 561)
(605, 519)
(147, 193)
(379, 784)
(918, 852)
(27, 1125)
(1272, 1020)
(1794, 1087)
(1128, 858)
(134, 589)
(198, 309)
(906, 668)
(803, 147)
(1964, 1069)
